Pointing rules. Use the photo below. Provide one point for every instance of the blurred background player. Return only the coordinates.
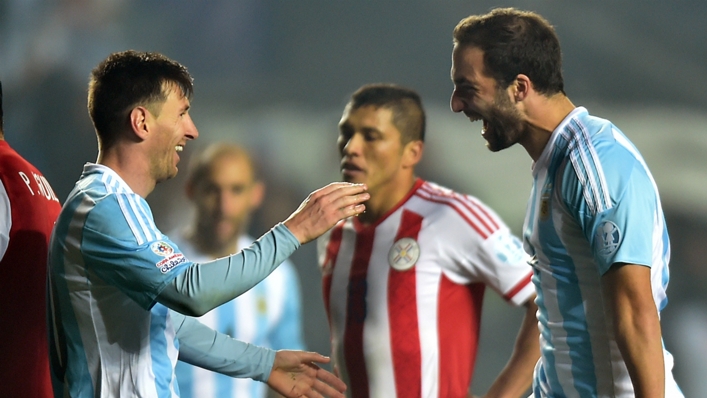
(404, 282)
(225, 189)
(28, 209)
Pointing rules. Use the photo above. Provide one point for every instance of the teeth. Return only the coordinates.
(179, 148)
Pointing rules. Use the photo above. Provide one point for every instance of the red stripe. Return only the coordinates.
(469, 221)
(402, 314)
(518, 287)
(468, 203)
(356, 314)
(332, 250)
(458, 320)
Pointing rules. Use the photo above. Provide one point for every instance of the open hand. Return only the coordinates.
(324, 207)
(295, 374)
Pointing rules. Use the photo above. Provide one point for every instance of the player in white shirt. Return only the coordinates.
(224, 188)
(404, 282)
(594, 223)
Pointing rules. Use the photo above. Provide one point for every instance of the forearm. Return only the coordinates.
(636, 326)
(205, 286)
(202, 346)
(638, 336)
(517, 376)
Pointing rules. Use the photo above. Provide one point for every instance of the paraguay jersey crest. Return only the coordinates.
(404, 254)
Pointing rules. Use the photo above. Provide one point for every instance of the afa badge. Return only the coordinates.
(404, 254)
(545, 201)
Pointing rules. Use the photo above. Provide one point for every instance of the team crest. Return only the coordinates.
(608, 238)
(161, 249)
(545, 201)
(404, 254)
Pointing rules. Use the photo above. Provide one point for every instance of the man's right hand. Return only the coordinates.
(325, 207)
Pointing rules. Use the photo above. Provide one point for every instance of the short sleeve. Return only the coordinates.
(619, 228)
(121, 245)
(503, 265)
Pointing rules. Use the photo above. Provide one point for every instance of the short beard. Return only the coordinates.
(505, 123)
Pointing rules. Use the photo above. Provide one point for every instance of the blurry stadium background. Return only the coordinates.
(275, 75)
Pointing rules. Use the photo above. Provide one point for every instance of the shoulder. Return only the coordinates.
(447, 206)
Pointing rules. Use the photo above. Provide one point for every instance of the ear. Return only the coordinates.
(138, 121)
(521, 88)
(412, 153)
(257, 194)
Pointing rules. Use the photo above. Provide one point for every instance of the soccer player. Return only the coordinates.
(28, 209)
(224, 187)
(403, 282)
(113, 276)
(594, 223)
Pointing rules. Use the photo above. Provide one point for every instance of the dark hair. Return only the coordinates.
(406, 105)
(515, 42)
(127, 79)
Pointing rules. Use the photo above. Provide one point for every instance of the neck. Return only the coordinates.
(385, 198)
(133, 168)
(543, 115)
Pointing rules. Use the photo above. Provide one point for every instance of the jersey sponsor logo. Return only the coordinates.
(404, 254)
(608, 238)
(508, 248)
(167, 264)
(161, 249)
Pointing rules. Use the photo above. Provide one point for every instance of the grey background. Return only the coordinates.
(274, 76)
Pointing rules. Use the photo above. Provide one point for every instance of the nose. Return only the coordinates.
(456, 103)
(353, 145)
(191, 132)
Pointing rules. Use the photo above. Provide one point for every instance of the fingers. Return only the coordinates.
(308, 356)
(321, 388)
(331, 381)
(325, 207)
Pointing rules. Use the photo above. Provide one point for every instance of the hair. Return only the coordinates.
(515, 42)
(200, 165)
(128, 79)
(406, 105)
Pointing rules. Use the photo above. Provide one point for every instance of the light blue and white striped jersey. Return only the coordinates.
(108, 263)
(593, 203)
(268, 315)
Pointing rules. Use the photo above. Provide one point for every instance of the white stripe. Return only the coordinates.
(140, 215)
(112, 189)
(603, 186)
(427, 293)
(377, 351)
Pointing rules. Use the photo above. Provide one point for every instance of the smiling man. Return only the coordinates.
(404, 282)
(119, 288)
(594, 224)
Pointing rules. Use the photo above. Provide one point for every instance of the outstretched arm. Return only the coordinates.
(628, 299)
(202, 287)
(517, 376)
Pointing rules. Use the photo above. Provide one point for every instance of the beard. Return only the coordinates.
(504, 126)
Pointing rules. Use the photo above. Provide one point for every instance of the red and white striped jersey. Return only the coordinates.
(404, 295)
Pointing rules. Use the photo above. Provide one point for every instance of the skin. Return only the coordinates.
(528, 118)
(224, 200)
(372, 154)
(148, 153)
